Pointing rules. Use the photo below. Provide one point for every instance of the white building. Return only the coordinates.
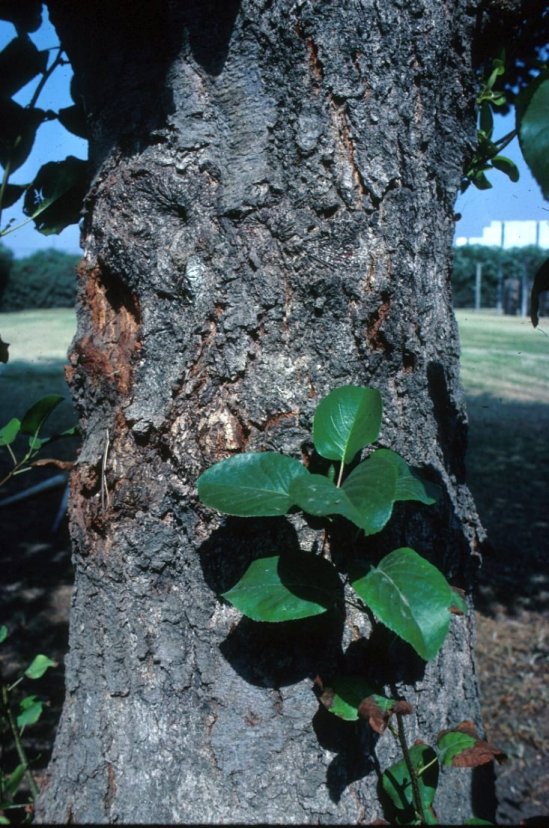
(510, 234)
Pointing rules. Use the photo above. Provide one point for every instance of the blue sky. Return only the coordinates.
(504, 202)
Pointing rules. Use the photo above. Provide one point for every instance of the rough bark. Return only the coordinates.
(271, 216)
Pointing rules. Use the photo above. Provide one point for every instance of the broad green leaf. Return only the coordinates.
(12, 193)
(452, 743)
(505, 165)
(409, 486)
(250, 485)
(38, 666)
(38, 413)
(4, 632)
(532, 120)
(18, 127)
(54, 199)
(25, 16)
(73, 118)
(397, 784)
(30, 711)
(371, 488)
(286, 588)
(477, 821)
(348, 693)
(13, 780)
(318, 496)
(345, 421)
(9, 432)
(20, 62)
(411, 597)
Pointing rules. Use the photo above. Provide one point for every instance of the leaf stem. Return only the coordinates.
(414, 776)
(340, 475)
(8, 715)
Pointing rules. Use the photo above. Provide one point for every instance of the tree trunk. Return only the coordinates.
(271, 217)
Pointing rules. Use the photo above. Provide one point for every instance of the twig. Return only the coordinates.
(105, 497)
(414, 778)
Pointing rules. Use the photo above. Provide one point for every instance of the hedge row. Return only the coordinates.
(44, 280)
(47, 278)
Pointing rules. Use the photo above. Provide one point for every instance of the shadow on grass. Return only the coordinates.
(508, 473)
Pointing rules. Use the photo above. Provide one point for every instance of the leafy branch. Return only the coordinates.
(404, 592)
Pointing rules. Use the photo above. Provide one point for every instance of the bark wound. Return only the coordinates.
(315, 65)
(376, 337)
(111, 787)
(107, 352)
(347, 144)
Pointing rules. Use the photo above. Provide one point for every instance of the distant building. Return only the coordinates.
(510, 234)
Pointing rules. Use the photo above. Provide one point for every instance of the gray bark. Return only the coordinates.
(271, 217)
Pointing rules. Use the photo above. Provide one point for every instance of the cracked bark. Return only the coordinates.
(270, 217)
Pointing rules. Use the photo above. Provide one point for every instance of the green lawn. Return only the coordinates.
(504, 356)
(39, 340)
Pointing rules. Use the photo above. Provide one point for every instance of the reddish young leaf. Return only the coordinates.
(461, 747)
(459, 607)
(327, 697)
(377, 716)
(480, 754)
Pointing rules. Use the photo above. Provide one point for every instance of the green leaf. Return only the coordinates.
(411, 597)
(286, 588)
(486, 119)
(4, 632)
(38, 666)
(345, 421)
(9, 432)
(20, 62)
(13, 780)
(54, 199)
(397, 784)
(38, 413)
(477, 821)
(409, 486)
(371, 488)
(73, 118)
(505, 165)
(18, 127)
(532, 119)
(318, 496)
(250, 485)
(481, 182)
(452, 743)
(31, 709)
(348, 693)
(12, 193)
(25, 16)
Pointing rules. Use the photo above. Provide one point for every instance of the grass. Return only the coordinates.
(505, 372)
(503, 356)
(39, 340)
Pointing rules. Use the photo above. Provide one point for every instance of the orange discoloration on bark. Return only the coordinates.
(375, 337)
(107, 352)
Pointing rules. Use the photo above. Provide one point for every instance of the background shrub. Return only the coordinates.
(46, 279)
